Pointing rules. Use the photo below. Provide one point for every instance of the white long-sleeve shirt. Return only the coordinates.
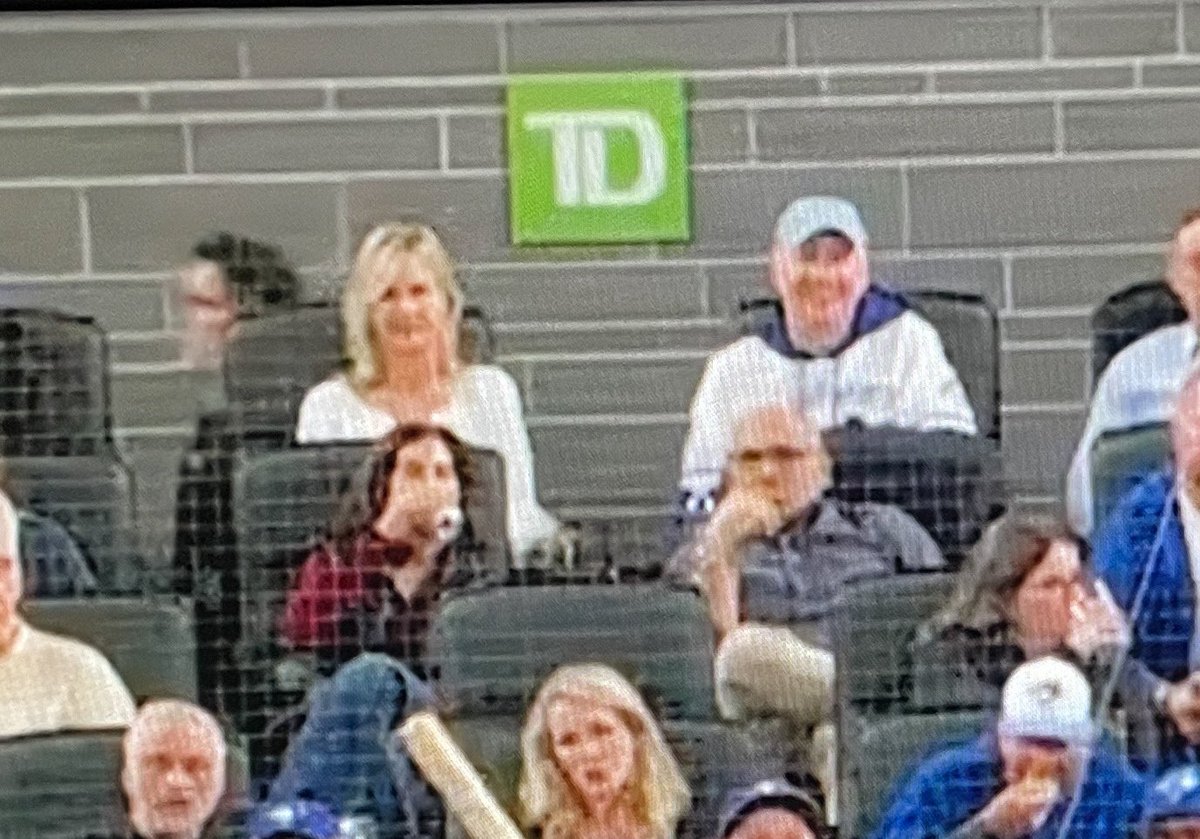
(484, 411)
(895, 375)
(1138, 386)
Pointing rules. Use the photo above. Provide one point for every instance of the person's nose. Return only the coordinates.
(177, 778)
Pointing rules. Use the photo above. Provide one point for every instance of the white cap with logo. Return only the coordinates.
(1048, 699)
(806, 217)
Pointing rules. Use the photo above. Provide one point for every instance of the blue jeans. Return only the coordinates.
(345, 755)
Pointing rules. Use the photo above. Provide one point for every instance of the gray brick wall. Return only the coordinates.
(1036, 152)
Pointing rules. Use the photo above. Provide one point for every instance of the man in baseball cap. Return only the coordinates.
(771, 809)
(1021, 780)
(843, 348)
(1173, 805)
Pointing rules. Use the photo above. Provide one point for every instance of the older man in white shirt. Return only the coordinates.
(844, 349)
(1140, 383)
(48, 683)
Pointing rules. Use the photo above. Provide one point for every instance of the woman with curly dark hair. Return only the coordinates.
(392, 552)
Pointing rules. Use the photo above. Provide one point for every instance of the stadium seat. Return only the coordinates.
(970, 332)
(872, 634)
(1128, 315)
(970, 335)
(92, 496)
(54, 386)
(948, 482)
(660, 639)
(945, 679)
(889, 749)
(713, 756)
(1120, 458)
(274, 359)
(151, 643)
(61, 786)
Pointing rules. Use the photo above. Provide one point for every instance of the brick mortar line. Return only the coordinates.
(275, 21)
(500, 79)
(1043, 408)
(323, 114)
(319, 177)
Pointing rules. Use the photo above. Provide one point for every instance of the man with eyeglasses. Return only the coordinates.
(773, 562)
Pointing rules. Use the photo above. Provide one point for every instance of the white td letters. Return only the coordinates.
(579, 147)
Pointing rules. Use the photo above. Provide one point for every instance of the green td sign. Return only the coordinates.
(598, 159)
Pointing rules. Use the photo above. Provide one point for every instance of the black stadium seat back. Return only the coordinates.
(873, 629)
(92, 496)
(950, 483)
(970, 333)
(150, 642)
(276, 358)
(54, 384)
(1122, 457)
(61, 786)
(659, 638)
(1128, 315)
(888, 752)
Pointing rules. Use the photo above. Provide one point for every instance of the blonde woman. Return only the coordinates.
(401, 311)
(593, 762)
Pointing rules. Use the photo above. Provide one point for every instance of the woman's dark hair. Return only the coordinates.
(259, 276)
(997, 565)
(368, 495)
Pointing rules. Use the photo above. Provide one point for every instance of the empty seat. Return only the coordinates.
(1120, 459)
(151, 643)
(1128, 315)
(92, 496)
(54, 388)
(970, 334)
(491, 649)
(873, 629)
(948, 482)
(889, 750)
(61, 786)
(946, 677)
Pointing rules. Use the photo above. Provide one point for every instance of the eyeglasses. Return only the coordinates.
(753, 457)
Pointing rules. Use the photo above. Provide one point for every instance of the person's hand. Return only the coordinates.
(423, 517)
(1182, 705)
(1020, 809)
(743, 515)
(1096, 621)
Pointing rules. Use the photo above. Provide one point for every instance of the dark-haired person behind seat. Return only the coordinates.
(229, 276)
(843, 350)
(1149, 554)
(373, 586)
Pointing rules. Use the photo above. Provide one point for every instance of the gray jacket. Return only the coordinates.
(799, 575)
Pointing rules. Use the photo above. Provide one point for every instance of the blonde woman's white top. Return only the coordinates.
(484, 411)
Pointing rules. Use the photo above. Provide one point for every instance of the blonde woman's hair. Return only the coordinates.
(391, 241)
(660, 794)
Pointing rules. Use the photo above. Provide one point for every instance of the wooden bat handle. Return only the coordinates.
(445, 766)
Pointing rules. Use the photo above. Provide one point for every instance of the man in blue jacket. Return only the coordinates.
(1173, 806)
(1148, 552)
(1045, 773)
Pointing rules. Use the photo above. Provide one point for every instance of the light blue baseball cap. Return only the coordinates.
(806, 217)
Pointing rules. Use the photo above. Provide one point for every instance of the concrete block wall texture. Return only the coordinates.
(1036, 151)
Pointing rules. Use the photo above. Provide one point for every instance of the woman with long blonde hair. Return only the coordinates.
(594, 764)
(401, 313)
